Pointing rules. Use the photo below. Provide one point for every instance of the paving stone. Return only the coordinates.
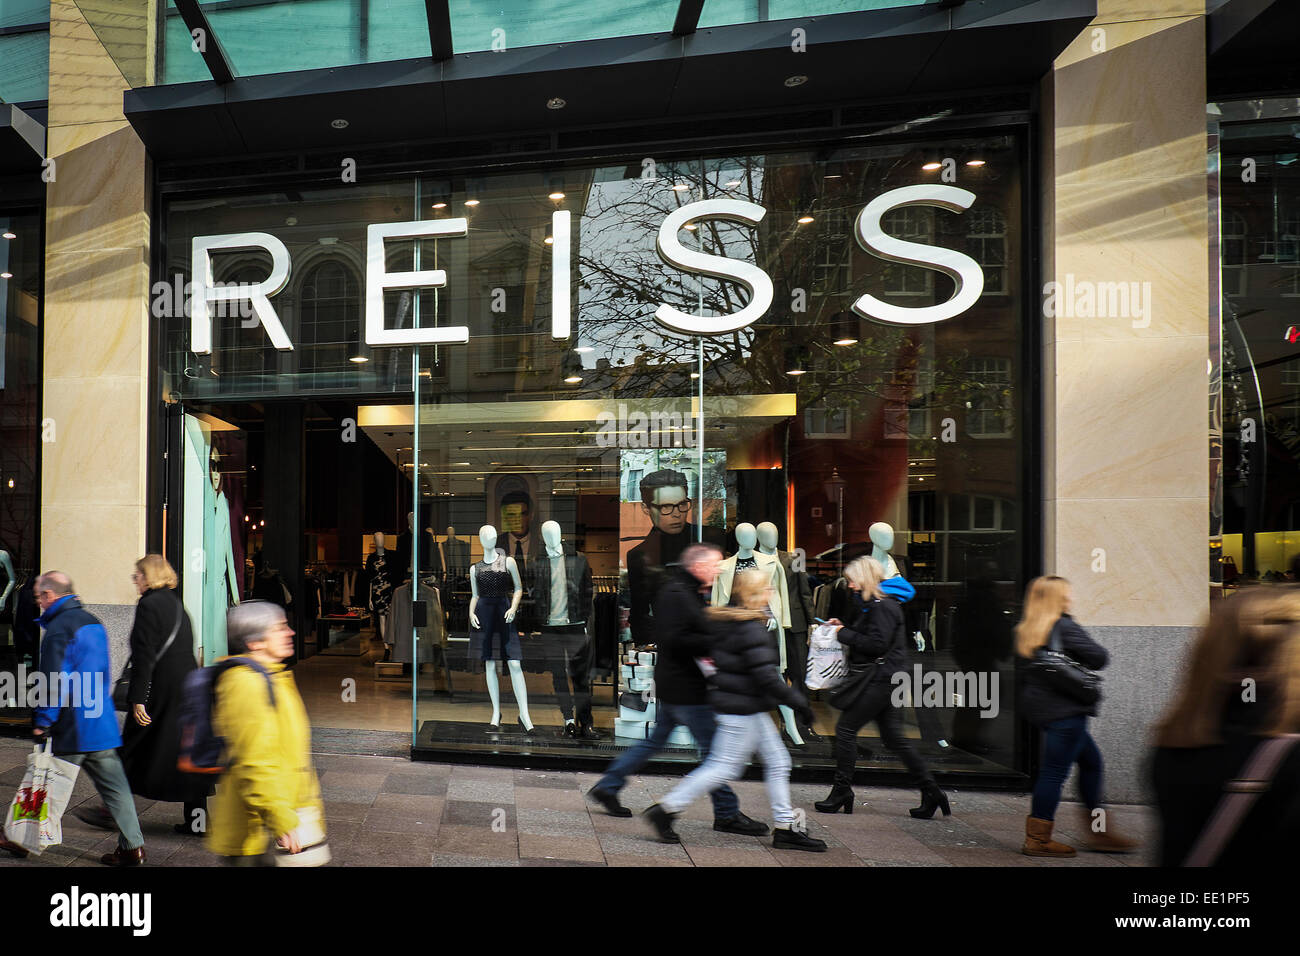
(557, 823)
(411, 783)
(730, 856)
(554, 781)
(476, 841)
(468, 813)
(550, 798)
(481, 790)
(456, 859)
(584, 849)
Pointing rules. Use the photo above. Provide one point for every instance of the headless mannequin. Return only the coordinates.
(11, 581)
(747, 540)
(487, 536)
(381, 612)
(882, 539)
(568, 646)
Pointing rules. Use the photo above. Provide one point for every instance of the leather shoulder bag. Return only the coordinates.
(1055, 669)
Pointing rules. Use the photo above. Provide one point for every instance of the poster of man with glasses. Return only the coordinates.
(667, 499)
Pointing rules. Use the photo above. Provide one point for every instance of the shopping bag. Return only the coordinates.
(826, 665)
(35, 817)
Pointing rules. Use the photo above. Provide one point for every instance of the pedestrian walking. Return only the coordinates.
(162, 654)
(1226, 766)
(268, 796)
(876, 648)
(81, 722)
(682, 634)
(1063, 720)
(747, 685)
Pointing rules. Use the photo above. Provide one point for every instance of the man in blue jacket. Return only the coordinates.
(78, 715)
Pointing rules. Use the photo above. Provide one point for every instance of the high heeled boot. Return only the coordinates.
(841, 795)
(932, 798)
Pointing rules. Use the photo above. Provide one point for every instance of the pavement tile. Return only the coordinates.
(467, 813)
(345, 811)
(833, 856)
(553, 781)
(550, 862)
(634, 860)
(397, 822)
(480, 790)
(732, 856)
(549, 798)
(417, 804)
(456, 859)
(583, 849)
(414, 784)
(556, 823)
(476, 841)
(639, 845)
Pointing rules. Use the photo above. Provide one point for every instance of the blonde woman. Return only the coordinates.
(1063, 721)
(876, 648)
(747, 685)
(1214, 729)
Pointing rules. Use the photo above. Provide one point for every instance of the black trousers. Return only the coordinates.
(796, 660)
(874, 704)
(568, 657)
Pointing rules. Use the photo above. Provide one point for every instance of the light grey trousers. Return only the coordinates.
(738, 737)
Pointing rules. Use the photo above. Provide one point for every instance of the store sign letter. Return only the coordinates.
(720, 267)
(962, 269)
(378, 278)
(257, 293)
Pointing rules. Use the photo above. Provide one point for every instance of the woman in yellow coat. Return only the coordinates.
(268, 799)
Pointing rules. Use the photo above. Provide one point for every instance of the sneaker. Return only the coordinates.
(740, 824)
(610, 802)
(783, 839)
(662, 821)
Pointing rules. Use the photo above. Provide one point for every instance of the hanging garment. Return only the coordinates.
(380, 573)
(401, 630)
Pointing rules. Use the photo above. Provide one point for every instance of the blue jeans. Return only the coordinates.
(1065, 743)
(699, 719)
(109, 777)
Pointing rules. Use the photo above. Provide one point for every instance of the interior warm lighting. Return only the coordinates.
(731, 183)
(682, 187)
(6, 275)
(975, 162)
(930, 167)
(471, 202)
(584, 348)
(549, 240)
(573, 379)
(440, 205)
(797, 371)
(10, 235)
(799, 79)
(11, 482)
(358, 359)
(805, 219)
(846, 341)
(557, 195)
(690, 226)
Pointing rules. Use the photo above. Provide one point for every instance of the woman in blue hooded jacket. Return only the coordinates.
(876, 641)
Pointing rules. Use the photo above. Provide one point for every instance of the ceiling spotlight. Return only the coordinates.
(695, 375)
(931, 167)
(681, 187)
(6, 275)
(556, 103)
(9, 235)
(798, 79)
(573, 379)
(471, 202)
(805, 219)
(796, 360)
(844, 329)
(690, 226)
(549, 240)
(339, 123)
(557, 195)
(975, 162)
(584, 348)
(440, 205)
(731, 183)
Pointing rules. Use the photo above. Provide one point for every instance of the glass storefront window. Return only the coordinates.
(550, 469)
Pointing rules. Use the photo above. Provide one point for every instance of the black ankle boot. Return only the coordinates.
(932, 798)
(662, 821)
(783, 839)
(841, 795)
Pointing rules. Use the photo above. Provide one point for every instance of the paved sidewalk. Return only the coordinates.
(389, 811)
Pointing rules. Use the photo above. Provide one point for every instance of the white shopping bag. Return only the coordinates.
(826, 665)
(35, 817)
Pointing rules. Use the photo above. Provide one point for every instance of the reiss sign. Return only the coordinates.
(963, 270)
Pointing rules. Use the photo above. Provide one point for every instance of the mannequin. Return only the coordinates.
(427, 552)
(801, 615)
(455, 553)
(381, 569)
(748, 557)
(562, 591)
(882, 537)
(220, 578)
(11, 581)
(498, 614)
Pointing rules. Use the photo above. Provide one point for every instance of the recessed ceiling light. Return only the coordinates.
(10, 235)
(339, 123)
(359, 359)
(975, 162)
(471, 202)
(796, 371)
(846, 341)
(932, 166)
(805, 219)
(6, 275)
(695, 375)
(556, 103)
(798, 79)
(574, 379)
(584, 348)
(690, 226)
(440, 205)
(731, 183)
(557, 195)
(549, 240)
(681, 187)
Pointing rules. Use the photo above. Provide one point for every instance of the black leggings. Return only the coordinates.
(874, 704)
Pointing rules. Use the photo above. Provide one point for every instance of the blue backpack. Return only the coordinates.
(202, 749)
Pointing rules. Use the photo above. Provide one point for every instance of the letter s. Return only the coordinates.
(746, 273)
(961, 268)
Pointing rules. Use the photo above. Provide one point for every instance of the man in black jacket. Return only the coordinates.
(681, 694)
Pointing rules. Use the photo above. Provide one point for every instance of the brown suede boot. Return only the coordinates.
(1108, 839)
(1039, 842)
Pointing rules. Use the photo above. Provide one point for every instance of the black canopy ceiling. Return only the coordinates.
(22, 141)
(1252, 48)
(876, 55)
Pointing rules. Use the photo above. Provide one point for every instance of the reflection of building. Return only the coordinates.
(1069, 438)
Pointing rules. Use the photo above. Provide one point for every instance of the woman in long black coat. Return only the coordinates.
(152, 734)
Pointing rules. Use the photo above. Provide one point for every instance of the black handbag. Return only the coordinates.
(1059, 672)
(122, 689)
(855, 685)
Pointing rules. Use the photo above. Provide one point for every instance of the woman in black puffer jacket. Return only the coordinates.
(875, 642)
(745, 688)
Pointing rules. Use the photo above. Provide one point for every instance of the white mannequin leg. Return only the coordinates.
(787, 715)
(521, 692)
(494, 690)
